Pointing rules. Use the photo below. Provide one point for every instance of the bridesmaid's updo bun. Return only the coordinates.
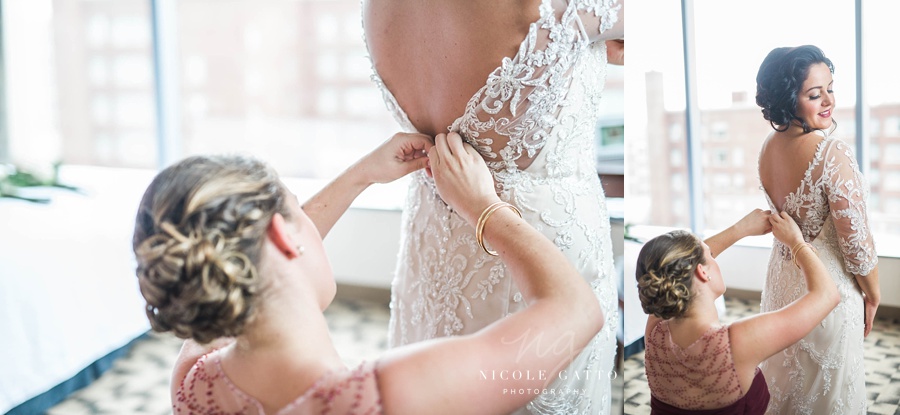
(664, 272)
(779, 80)
(197, 239)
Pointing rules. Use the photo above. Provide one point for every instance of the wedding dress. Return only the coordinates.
(534, 121)
(823, 373)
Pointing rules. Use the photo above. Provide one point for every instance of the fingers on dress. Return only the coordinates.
(534, 121)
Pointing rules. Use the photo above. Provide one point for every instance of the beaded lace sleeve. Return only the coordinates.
(600, 19)
(510, 118)
(847, 192)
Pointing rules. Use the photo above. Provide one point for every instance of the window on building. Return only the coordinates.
(725, 79)
(81, 92)
(656, 126)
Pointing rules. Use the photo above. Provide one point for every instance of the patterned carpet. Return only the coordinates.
(882, 359)
(138, 383)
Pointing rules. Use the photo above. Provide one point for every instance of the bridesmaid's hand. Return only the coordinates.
(785, 229)
(461, 176)
(400, 155)
(754, 223)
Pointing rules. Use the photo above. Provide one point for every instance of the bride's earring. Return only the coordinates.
(300, 250)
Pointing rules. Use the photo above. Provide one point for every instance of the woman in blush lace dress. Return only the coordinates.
(694, 363)
(521, 81)
(813, 176)
(229, 260)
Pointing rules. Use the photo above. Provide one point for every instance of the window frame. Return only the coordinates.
(692, 111)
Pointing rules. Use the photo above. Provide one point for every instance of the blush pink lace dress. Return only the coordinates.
(534, 121)
(699, 379)
(822, 373)
(207, 390)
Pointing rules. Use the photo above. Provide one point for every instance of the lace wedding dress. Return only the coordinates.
(823, 373)
(534, 121)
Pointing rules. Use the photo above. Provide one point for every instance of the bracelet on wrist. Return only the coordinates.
(482, 220)
(799, 247)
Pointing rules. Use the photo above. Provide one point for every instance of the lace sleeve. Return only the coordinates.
(847, 192)
(602, 19)
(509, 119)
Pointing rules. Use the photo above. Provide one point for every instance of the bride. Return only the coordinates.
(520, 80)
(813, 176)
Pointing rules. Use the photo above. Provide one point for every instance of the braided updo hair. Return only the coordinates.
(665, 272)
(198, 234)
(779, 80)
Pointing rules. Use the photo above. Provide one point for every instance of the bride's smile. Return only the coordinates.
(816, 98)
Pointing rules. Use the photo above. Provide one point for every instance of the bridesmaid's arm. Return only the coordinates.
(754, 223)
(400, 155)
(757, 338)
(505, 365)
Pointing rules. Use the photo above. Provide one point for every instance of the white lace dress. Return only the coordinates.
(823, 373)
(534, 121)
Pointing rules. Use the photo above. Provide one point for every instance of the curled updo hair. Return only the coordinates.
(665, 272)
(779, 80)
(198, 235)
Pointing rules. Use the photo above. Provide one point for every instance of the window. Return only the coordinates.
(883, 99)
(676, 132)
(719, 157)
(676, 159)
(891, 181)
(892, 126)
(892, 153)
(737, 156)
(719, 131)
(252, 81)
(81, 92)
(248, 80)
(730, 128)
(656, 126)
(739, 181)
(726, 78)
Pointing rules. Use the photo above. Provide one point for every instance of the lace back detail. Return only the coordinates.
(833, 187)
(701, 376)
(509, 120)
(534, 121)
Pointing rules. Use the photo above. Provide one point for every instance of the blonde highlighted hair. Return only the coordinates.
(664, 273)
(197, 239)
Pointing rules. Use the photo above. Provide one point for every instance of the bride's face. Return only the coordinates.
(815, 102)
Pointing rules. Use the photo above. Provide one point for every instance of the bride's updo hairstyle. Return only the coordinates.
(665, 272)
(779, 80)
(198, 236)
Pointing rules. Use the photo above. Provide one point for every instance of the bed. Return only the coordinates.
(69, 302)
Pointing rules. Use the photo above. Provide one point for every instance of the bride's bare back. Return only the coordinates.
(434, 55)
(784, 161)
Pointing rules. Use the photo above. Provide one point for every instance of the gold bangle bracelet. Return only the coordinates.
(794, 248)
(482, 220)
(479, 227)
(799, 247)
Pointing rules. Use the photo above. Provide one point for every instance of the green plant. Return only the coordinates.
(17, 177)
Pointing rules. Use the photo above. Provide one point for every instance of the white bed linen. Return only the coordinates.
(68, 292)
